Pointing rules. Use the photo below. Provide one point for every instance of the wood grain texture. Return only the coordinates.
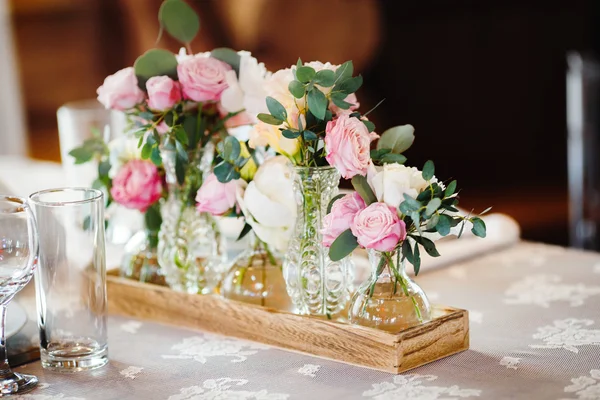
(447, 333)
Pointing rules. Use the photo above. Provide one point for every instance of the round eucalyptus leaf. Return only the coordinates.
(398, 139)
(155, 62)
(228, 56)
(179, 20)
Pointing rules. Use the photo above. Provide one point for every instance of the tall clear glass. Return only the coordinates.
(316, 285)
(71, 278)
(18, 252)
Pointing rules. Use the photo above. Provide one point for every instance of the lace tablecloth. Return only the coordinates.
(535, 334)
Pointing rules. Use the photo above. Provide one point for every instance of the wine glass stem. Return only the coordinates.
(5, 370)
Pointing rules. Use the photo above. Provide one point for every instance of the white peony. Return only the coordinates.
(268, 203)
(391, 181)
(122, 150)
(248, 91)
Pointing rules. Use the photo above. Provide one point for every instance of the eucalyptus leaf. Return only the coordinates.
(290, 134)
(343, 246)
(407, 251)
(146, 150)
(433, 206)
(450, 189)
(391, 158)
(428, 170)
(231, 149)
(181, 135)
(338, 100)
(310, 135)
(317, 103)
(344, 71)
(428, 245)
(296, 88)
(228, 56)
(398, 139)
(181, 153)
(225, 172)
(417, 260)
(155, 156)
(325, 78)
(276, 109)
(155, 62)
(370, 126)
(349, 85)
(305, 74)
(152, 218)
(179, 20)
(444, 224)
(413, 204)
(180, 170)
(479, 228)
(363, 188)
(433, 221)
(269, 119)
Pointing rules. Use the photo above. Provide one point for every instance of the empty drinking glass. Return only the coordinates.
(18, 252)
(71, 278)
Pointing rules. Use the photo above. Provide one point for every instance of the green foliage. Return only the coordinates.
(155, 62)
(344, 71)
(305, 74)
(92, 148)
(276, 109)
(317, 103)
(296, 88)
(451, 189)
(397, 139)
(325, 78)
(228, 56)
(479, 228)
(330, 205)
(290, 134)
(338, 99)
(245, 230)
(269, 119)
(428, 170)
(348, 85)
(179, 20)
(343, 245)
(363, 188)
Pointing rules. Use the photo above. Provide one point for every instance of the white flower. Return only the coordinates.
(391, 181)
(248, 91)
(268, 203)
(122, 150)
(183, 55)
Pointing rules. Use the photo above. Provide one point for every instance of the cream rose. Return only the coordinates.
(264, 134)
(391, 181)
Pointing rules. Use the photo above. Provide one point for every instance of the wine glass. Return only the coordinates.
(18, 258)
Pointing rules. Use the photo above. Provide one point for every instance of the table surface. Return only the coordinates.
(535, 334)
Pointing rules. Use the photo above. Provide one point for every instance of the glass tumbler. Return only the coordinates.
(71, 278)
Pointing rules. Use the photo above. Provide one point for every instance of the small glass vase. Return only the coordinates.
(140, 259)
(255, 277)
(389, 300)
(191, 250)
(316, 285)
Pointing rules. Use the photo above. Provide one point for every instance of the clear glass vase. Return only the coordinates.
(191, 250)
(140, 259)
(255, 277)
(316, 285)
(389, 300)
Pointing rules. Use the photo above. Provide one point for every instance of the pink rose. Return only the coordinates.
(215, 197)
(163, 93)
(120, 91)
(348, 144)
(341, 216)
(203, 78)
(137, 185)
(378, 227)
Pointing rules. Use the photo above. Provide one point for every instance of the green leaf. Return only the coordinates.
(393, 158)
(269, 119)
(344, 71)
(288, 133)
(181, 135)
(407, 250)
(428, 245)
(349, 85)
(146, 150)
(317, 103)
(377, 154)
(180, 170)
(412, 204)
(433, 221)
(428, 170)
(179, 20)
(155, 156)
(245, 230)
(225, 172)
(296, 88)
(450, 189)
(343, 246)
(416, 217)
(417, 260)
(82, 154)
(325, 78)
(276, 109)
(398, 139)
(153, 219)
(479, 228)
(103, 169)
(181, 153)
(310, 135)
(339, 196)
(338, 100)
(147, 115)
(155, 62)
(444, 224)
(370, 126)
(363, 188)
(231, 149)
(305, 74)
(228, 56)
(433, 206)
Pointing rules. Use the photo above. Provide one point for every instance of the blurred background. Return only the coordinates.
(483, 82)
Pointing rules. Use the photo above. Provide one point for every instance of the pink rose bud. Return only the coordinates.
(120, 91)
(378, 227)
(215, 197)
(341, 216)
(203, 78)
(348, 144)
(163, 93)
(137, 185)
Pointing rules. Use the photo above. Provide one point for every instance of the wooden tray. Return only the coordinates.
(447, 333)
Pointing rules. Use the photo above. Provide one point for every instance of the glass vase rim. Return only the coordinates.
(96, 195)
(20, 204)
(320, 168)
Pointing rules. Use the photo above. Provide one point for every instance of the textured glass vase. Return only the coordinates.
(316, 285)
(140, 259)
(389, 300)
(191, 250)
(255, 277)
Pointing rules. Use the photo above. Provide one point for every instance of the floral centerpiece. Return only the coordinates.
(264, 199)
(395, 211)
(180, 106)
